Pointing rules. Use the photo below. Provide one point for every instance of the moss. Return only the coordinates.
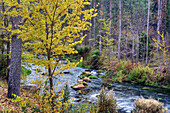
(99, 71)
(82, 76)
(93, 77)
(102, 76)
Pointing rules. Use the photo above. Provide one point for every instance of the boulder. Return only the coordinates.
(78, 87)
(87, 73)
(79, 80)
(87, 79)
(84, 83)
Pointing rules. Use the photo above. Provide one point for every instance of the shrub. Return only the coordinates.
(94, 59)
(105, 102)
(149, 106)
(140, 74)
(96, 52)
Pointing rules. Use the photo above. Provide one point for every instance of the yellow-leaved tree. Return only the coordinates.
(48, 29)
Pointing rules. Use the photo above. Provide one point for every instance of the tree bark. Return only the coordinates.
(147, 32)
(133, 43)
(110, 16)
(15, 63)
(101, 17)
(90, 26)
(94, 23)
(15, 68)
(158, 24)
(119, 30)
(138, 34)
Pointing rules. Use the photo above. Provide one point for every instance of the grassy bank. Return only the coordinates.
(142, 75)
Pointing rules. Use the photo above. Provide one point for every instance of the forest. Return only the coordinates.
(84, 56)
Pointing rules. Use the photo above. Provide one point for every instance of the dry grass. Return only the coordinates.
(106, 102)
(149, 106)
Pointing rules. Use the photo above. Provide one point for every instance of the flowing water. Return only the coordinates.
(125, 93)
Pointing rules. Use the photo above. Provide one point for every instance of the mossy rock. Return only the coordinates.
(82, 76)
(78, 86)
(102, 76)
(87, 73)
(84, 83)
(87, 79)
(93, 77)
(99, 71)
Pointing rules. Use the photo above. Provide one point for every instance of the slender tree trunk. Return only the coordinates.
(8, 42)
(94, 24)
(147, 32)
(8, 59)
(126, 43)
(90, 26)
(138, 34)
(110, 16)
(144, 48)
(158, 24)
(133, 43)
(119, 29)
(101, 17)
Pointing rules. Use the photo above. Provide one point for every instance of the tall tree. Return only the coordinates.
(138, 34)
(94, 23)
(110, 29)
(90, 33)
(120, 15)
(147, 32)
(101, 21)
(159, 22)
(15, 63)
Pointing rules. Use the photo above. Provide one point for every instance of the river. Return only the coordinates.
(125, 93)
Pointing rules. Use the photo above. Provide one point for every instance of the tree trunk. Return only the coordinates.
(90, 26)
(147, 32)
(138, 34)
(101, 17)
(94, 23)
(119, 29)
(110, 16)
(158, 24)
(15, 63)
(15, 68)
(133, 43)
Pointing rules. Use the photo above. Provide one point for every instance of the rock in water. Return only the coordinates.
(87, 73)
(87, 79)
(79, 80)
(78, 87)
